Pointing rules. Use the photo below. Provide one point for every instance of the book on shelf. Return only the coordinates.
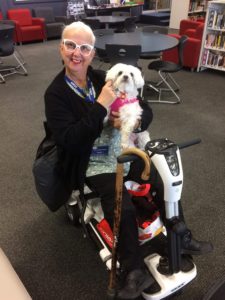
(216, 40)
(214, 59)
(205, 57)
(210, 39)
(219, 21)
(216, 19)
(221, 61)
(197, 5)
(211, 18)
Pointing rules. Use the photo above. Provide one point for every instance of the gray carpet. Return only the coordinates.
(51, 257)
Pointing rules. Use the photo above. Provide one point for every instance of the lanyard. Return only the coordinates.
(88, 96)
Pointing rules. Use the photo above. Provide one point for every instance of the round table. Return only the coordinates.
(133, 9)
(150, 42)
(5, 26)
(109, 20)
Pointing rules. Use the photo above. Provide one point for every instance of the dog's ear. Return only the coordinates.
(139, 80)
(109, 75)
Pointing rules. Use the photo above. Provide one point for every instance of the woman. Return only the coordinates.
(76, 104)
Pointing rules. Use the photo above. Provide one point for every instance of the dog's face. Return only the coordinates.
(126, 78)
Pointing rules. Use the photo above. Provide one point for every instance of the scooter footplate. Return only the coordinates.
(169, 284)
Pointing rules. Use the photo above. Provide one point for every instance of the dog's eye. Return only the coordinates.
(120, 73)
(132, 75)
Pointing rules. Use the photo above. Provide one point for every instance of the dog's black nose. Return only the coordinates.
(125, 77)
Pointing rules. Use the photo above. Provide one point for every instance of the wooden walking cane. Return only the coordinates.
(118, 206)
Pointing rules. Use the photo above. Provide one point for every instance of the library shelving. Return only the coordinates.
(213, 42)
(186, 9)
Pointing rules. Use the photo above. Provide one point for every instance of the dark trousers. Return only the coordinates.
(128, 245)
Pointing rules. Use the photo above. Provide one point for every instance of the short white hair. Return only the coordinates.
(76, 26)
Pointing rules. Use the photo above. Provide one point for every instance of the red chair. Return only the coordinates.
(27, 28)
(191, 28)
(194, 31)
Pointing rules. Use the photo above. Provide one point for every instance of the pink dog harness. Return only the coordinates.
(121, 101)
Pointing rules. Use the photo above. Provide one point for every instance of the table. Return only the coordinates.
(5, 26)
(133, 9)
(109, 20)
(150, 42)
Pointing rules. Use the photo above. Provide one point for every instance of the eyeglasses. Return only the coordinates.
(70, 46)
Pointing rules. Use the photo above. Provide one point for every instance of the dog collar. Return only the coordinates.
(119, 102)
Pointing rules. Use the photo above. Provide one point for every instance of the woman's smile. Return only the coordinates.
(76, 60)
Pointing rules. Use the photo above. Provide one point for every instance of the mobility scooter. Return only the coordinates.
(171, 270)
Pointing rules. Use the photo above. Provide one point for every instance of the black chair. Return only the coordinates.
(127, 54)
(7, 48)
(164, 69)
(93, 23)
(101, 54)
(128, 26)
(153, 55)
(53, 24)
(6, 22)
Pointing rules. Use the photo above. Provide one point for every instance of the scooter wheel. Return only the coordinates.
(73, 214)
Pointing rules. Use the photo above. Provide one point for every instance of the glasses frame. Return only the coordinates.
(77, 46)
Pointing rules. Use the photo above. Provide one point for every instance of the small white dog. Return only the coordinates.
(127, 79)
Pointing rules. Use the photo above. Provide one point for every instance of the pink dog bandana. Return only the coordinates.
(120, 101)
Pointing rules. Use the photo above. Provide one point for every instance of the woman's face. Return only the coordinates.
(74, 60)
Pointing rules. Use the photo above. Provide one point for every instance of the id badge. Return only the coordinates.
(100, 150)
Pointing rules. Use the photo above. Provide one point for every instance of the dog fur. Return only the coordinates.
(127, 79)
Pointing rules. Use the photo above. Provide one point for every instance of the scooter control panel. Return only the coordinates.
(160, 146)
(168, 149)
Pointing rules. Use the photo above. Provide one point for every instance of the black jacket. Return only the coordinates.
(75, 124)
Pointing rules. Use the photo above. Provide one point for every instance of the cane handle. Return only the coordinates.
(144, 156)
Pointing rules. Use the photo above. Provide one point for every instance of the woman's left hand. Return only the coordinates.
(114, 119)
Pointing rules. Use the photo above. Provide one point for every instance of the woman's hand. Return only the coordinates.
(107, 95)
(114, 119)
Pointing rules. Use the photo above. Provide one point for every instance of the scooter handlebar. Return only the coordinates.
(189, 143)
(127, 158)
(131, 154)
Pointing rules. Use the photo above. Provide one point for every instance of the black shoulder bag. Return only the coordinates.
(48, 177)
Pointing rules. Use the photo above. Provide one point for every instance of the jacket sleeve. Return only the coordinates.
(74, 131)
(147, 115)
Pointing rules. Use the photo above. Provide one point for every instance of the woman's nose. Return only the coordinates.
(76, 50)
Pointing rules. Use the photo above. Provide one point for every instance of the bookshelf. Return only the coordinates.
(197, 8)
(75, 9)
(185, 9)
(213, 42)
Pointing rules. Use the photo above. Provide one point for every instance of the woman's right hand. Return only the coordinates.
(107, 95)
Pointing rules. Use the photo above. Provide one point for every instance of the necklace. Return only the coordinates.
(87, 93)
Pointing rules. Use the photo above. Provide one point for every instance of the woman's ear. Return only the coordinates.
(93, 53)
